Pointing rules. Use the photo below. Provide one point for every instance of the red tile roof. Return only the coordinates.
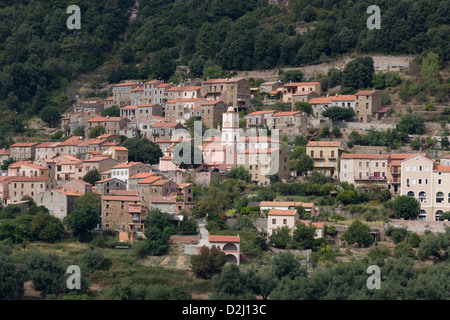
(211, 103)
(149, 180)
(364, 156)
(278, 212)
(125, 84)
(259, 151)
(297, 84)
(164, 124)
(214, 238)
(285, 113)
(142, 175)
(125, 165)
(222, 80)
(441, 168)
(121, 198)
(23, 144)
(261, 112)
(365, 93)
(67, 192)
(105, 119)
(323, 144)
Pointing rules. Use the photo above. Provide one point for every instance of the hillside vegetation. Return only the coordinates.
(41, 60)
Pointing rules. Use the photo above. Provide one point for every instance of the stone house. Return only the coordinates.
(109, 185)
(232, 91)
(367, 104)
(23, 150)
(123, 213)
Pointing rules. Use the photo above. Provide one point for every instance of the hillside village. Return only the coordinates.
(284, 139)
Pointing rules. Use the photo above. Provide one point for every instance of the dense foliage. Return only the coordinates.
(40, 56)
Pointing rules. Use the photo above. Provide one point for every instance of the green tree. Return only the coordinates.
(50, 115)
(85, 217)
(430, 66)
(357, 74)
(6, 163)
(46, 270)
(239, 173)
(303, 106)
(346, 197)
(358, 233)
(162, 64)
(97, 131)
(92, 176)
(413, 239)
(11, 286)
(309, 13)
(113, 111)
(79, 131)
(406, 207)
(412, 124)
(285, 264)
(142, 150)
(303, 237)
(46, 227)
(339, 113)
(281, 237)
(208, 263)
(292, 76)
(232, 284)
(403, 249)
(93, 260)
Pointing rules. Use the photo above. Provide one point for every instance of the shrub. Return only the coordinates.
(358, 233)
(403, 249)
(413, 239)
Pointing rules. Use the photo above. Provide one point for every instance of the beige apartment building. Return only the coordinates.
(232, 91)
(428, 182)
(262, 163)
(364, 170)
(325, 155)
(367, 104)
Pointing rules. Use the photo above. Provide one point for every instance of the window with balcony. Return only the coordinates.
(422, 215)
(422, 197)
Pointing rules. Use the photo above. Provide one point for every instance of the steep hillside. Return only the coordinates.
(43, 64)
